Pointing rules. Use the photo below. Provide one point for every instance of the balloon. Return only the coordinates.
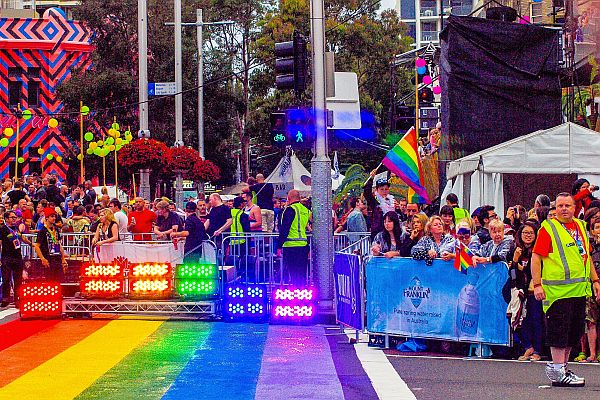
(40, 151)
(52, 123)
(89, 136)
(112, 132)
(9, 131)
(437, 90)
(111, 147)
(127, 132)
(420, 62)
(100, 143)
(129, 138)
(427, 80)
(93, 145)
(49, 157)
(80, 157)
(4, 142)
(109, 141)
(97, 151)
(59, 158)
(85, 110)
(115, 126)
(421, 70)
(26, 114)
(89, 152)
(119, 141)
(103, 153)
(21, 160)
(118, 134)
(119, 147)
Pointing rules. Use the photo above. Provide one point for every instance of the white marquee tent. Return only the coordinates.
(290, 174)
(564, 149)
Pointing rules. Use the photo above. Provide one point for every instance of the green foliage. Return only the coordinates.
(352, 185)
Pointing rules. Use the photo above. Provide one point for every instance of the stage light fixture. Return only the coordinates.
(245, 302)
(293, 304)
(40, 300)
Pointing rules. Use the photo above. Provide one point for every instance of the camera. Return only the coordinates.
(593, 188)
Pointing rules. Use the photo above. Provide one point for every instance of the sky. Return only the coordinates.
(385, 4)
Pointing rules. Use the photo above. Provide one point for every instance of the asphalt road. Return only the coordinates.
(450, 379)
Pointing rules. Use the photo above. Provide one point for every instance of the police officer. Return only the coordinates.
(293, 240)
(563, 248)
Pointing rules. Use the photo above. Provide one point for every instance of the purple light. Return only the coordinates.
(293, 303)
(294, 311)
(294, 294)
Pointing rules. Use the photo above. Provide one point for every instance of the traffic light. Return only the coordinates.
(425, 96)
(405, 118)
(291, 64)
(293, 127)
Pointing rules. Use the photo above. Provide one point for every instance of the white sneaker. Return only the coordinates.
(563, 377)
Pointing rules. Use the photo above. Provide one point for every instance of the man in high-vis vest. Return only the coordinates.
(293, 240)
(239, 225)
(562, 271)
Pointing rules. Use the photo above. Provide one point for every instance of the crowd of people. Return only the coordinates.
(552, 251)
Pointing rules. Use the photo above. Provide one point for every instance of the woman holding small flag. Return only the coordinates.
(434, 243)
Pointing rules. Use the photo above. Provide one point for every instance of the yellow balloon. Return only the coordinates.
(40, 151)
(59, 158)
(93, 145)
(119, 141)
(52, 123)
(100, 143)
(111, 147)
(118, 134)
(9, 132)
(112, 132)
(79, 157)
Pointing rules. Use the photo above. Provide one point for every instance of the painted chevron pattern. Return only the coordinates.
(52, 46)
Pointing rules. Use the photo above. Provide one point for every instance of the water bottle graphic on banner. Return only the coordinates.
(467, 309)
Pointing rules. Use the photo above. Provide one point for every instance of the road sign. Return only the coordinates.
(346, 103)
(161, 88)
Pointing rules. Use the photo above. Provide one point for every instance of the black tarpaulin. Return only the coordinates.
(499, 81)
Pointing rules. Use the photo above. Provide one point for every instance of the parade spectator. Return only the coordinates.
(592, 307)
(53, 193)
(140, 220)
(40, 191)
(417, 231)
(93, 215)
(239, 225)
(582, 194)
(120, 217)
(264, 199)
(464, 237)
(387, 242)
(31, 192)
(6, 188)
(496, 249)
(219, 218)
(541, 214)
(11, 237)
(89, 194)
(292, 239)
(459, 213)
(356, 221)
(531, 331)
(108, 229)
(447, 214)
(26, 214)
(485, 215)
(402, 203)
(193, 232)
(78, 223)
(563, 285)
(252, 211)
(412, 209)
(17, 193)
(166, 222)
(434, 243)
(515, 216)
(379, 202)
(49, 250)
(202, 211)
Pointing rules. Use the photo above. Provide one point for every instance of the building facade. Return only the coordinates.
(36, 56)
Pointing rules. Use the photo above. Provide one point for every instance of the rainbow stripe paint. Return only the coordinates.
(464, 258)
(404, 161)
(125, 358)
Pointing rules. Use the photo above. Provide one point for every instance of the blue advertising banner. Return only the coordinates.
(408, 298)
(346, 273)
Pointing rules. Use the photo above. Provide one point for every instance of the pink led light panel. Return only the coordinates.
(294, 294)
(294, 311)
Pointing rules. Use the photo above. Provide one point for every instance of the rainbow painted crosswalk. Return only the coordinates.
(126, 358)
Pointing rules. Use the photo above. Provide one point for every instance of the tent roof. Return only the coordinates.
(564, 149)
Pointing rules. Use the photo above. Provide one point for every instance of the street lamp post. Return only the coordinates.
(143, 87)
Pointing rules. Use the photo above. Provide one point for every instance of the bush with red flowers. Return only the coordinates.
(204, 171)
(142, 154)
(188, 161)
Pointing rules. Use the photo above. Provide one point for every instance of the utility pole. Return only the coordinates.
(200, 24)
(143, 87)
(322, 242)
(178, 78)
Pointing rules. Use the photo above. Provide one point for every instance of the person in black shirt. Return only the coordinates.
(12, 260)
(264, 199)
(219, 218)
(53, 193)
(167, 221)
(17, 194)
(49, 250)
(89, 194)
(193, 232)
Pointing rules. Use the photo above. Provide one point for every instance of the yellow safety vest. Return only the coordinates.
(297, 235)
(460, 213)
(564, 273)
(236, 225)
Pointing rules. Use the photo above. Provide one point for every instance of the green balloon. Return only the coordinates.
(115, 126)
(21, 160)
(119, 147)
(85, 110)
(89, 136)
(26, 114)
(106, 151)
(50, 157)
(89, 152)
(97, 151)
(109, 141)
(4, 142)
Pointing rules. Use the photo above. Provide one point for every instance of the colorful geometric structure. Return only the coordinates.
(40, 300)
(293, 304)
(247, 302)
(37, 55)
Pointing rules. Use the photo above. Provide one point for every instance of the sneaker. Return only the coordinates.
(563, 377)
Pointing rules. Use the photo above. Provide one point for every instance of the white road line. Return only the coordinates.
(387, 383)
(8, 312)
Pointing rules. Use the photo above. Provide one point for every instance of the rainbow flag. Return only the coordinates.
(404, 161)
(464, 258)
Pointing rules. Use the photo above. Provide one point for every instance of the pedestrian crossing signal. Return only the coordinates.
(293, 127)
